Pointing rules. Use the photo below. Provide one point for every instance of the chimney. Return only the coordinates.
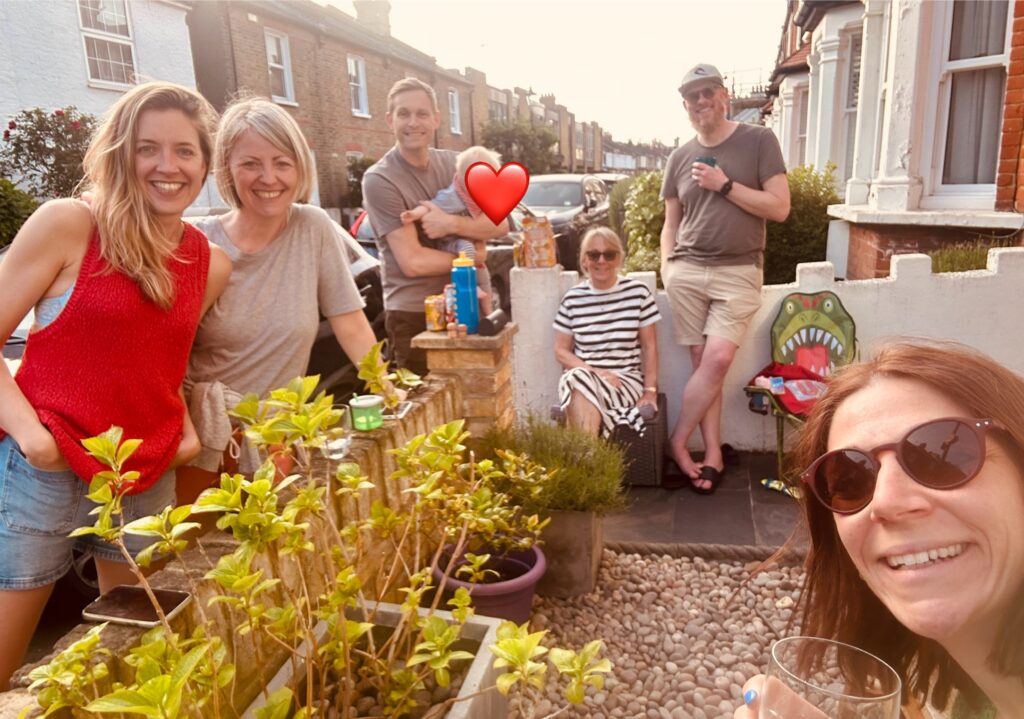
(375, 15)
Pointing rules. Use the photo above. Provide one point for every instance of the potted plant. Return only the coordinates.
(585, 484)
(302, 585)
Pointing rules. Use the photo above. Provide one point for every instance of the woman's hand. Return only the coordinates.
(751, 694)
(41, 451)
(648, 399)
(188, 448)
(784, 701)
(610, 377)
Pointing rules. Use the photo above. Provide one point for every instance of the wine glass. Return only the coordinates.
(812, 678)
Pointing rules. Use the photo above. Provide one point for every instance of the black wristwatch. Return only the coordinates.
(726, 188)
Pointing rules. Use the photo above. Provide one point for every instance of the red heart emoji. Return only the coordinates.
(497, 192)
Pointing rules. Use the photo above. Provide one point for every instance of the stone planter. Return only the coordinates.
(573, 542)
(480, 674)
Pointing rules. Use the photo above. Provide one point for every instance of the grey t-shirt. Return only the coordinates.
(714, 231)
(259, 333)
(390, 187)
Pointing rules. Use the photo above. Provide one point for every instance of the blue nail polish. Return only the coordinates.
(750, 696)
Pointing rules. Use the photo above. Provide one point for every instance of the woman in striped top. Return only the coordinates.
(605, 338)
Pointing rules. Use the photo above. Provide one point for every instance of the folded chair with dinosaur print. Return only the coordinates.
(812, 335)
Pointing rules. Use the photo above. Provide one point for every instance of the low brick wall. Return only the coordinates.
(439, 402)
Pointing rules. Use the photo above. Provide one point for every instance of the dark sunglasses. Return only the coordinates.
(608, 255)
(940, 454)
(706, 92)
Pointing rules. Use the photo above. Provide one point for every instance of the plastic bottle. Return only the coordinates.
(467, 311)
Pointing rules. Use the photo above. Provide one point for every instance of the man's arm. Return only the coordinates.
(414, 259)
(438, 224)
(673, 216)
(771, 203)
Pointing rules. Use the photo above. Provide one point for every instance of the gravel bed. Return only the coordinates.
(680, 648)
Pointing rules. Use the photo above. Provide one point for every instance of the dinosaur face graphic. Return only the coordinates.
(813, 331)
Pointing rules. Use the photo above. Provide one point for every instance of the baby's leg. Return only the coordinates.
(412, 215)
(483, 290)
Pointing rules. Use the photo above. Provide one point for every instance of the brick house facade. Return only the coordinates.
(316, 48)
(921, 107)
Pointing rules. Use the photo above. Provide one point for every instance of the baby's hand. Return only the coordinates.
(410, 216)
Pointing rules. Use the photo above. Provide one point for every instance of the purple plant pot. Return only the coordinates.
(510, 598)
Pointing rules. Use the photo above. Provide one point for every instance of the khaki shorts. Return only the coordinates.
(711, 300)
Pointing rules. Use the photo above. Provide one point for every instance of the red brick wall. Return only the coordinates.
(323, 108)
(1010, 173)
(872, 246)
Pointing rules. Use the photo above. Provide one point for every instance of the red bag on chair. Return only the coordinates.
(802, 387)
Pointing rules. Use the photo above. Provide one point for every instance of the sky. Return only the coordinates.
(615, 63)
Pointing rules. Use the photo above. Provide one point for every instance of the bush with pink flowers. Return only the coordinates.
(42, 150)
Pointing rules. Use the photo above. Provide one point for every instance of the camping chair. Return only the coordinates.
(811, 336)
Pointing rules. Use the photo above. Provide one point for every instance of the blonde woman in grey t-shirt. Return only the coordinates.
(289, 267)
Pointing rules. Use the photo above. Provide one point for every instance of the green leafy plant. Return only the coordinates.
(43, 151)
(15, 208)
(373, 370)
(586, 471)
(804, 235)
(357, 167)
(339, 563)
(645, 215)
(617, 207)
(528, 144)
(966, 256)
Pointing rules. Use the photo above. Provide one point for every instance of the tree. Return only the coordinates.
(357, 167)
(529, 145)
(42, 151)
(15, 207)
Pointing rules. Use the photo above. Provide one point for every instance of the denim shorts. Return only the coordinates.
(39, 508)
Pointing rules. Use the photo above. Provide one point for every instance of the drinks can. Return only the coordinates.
(433, 308)
(778, 385)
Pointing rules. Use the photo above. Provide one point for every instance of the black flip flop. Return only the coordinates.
(708, 474)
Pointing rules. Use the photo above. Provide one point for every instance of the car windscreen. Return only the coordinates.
(553, 194)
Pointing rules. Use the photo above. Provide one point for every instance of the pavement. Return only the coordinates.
(741, 512)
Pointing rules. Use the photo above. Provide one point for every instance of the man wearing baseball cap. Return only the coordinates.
(719, 189)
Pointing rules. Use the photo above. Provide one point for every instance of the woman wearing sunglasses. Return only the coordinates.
(916, 518)
(605, 339)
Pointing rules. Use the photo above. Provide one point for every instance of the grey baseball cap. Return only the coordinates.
(698, 74)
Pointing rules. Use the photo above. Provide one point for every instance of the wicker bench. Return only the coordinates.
(644, 454)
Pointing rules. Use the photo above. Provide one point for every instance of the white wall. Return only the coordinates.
(980, 308)
(42, 60)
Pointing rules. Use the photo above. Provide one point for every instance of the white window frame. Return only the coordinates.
(801, 96)
(358, 90)
(454, 111)
(286, 65)
(848, 109)
(937, 195)
(111, 38)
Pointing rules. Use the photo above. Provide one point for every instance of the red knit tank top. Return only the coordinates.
(113, 357)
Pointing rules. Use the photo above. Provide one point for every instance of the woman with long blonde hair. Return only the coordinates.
(118, 288)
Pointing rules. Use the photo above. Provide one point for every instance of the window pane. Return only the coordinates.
(972, 140)
(109, 61)
(274, 54)
(104, 15)
(979, 28)
(853, 85)
(277, 86)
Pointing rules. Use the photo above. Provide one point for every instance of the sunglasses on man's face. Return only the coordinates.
(693, 96)
(607, 255)
(940, 454)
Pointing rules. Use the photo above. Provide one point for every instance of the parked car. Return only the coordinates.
(610, 179)
(573, 204)
(500, 259)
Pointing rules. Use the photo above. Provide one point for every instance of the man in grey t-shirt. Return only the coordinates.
(409, 175)
(719, 189)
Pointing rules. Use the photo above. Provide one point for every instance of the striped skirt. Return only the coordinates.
(616, 404)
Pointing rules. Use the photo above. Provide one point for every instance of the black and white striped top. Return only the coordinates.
(605, 324)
